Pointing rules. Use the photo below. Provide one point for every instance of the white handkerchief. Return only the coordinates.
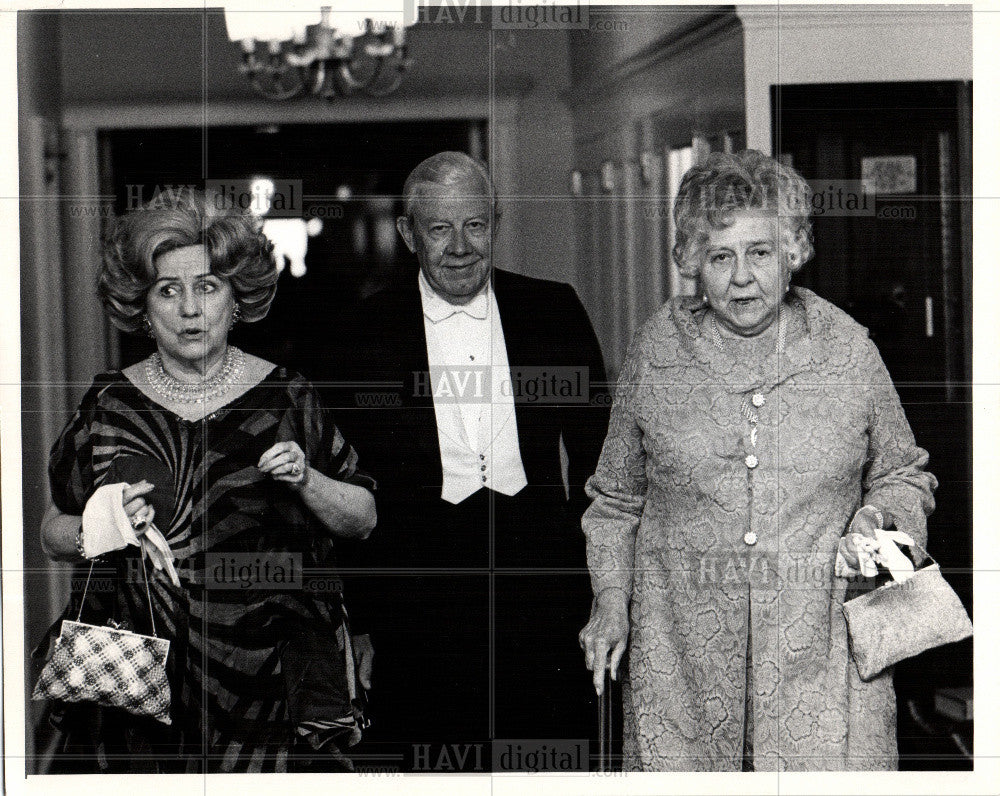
(105, 524)
(155, 545)
(867, 554)
(891, 557)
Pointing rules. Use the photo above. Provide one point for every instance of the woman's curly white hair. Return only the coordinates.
(749, 180)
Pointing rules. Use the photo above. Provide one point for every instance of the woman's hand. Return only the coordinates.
(285, 461)
(606, 632)
(868, 519)
(347, 510)
(139, 512)
(861, 533)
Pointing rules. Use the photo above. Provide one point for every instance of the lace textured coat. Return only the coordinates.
(676, 497)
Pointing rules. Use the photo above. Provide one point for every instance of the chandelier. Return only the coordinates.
(288, 53)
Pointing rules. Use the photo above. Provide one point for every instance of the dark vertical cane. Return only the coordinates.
(604, 725)
(600, 730)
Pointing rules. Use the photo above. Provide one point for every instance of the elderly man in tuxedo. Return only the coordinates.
(479, 398)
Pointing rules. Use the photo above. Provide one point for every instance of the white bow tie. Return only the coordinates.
(440, 309)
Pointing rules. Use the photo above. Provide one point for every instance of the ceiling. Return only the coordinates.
(185, 55)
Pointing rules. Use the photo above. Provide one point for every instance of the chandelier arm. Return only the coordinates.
(270, 93)
(349, 84)
(268, 81)
(395, 68)
(319, 81)
(306, 57)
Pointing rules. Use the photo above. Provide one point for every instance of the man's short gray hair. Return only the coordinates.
(445, 168)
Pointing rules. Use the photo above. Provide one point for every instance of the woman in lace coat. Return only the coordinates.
(752, 427)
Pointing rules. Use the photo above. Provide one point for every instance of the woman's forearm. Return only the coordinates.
(345, 509)
(59, 533)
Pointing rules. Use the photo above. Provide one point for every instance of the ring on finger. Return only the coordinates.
(138, 523)
(296, 469)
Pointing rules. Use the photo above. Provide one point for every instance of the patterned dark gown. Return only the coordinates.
(236, 663)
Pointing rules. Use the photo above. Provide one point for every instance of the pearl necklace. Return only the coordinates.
(779, 346)
(178, 391)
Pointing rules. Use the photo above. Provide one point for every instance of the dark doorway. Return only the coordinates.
(901, 266)
(351, 179)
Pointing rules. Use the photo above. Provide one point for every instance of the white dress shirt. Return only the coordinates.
(473, 401)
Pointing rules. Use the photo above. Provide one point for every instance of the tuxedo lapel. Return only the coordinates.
(405, 343)
(518, 308)
(408, 341)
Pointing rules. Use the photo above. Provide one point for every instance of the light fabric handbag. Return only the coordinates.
(908, 615)
(109, 666)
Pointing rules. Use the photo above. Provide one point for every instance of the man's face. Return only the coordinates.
(452, 236)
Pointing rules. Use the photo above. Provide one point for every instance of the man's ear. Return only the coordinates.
(405, 230)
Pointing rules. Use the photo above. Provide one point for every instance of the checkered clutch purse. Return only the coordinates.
(112, 667)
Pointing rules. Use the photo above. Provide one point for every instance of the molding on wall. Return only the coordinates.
(810, 17)
(718, 25)
(801, 45)
(117, 116)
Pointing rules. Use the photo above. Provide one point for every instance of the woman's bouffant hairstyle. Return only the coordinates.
(749, 180)
(237, 250)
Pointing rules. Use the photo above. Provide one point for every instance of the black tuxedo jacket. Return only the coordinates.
(496, 572)
(378, 391)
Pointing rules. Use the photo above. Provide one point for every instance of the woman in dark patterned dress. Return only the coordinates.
(232, 459)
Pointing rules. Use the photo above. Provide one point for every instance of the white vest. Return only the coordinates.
(469, 380)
